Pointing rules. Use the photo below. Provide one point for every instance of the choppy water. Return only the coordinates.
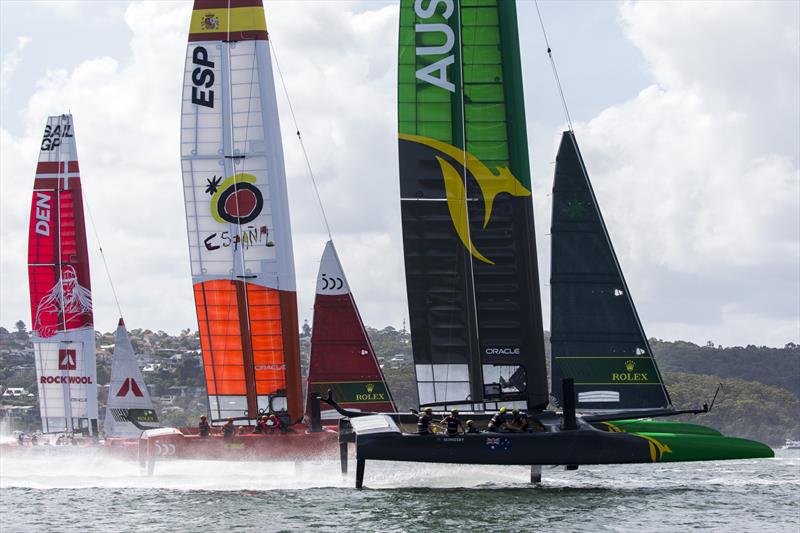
(94, 493)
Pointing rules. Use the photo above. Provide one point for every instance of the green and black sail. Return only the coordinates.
(467, 212)
(597, 337)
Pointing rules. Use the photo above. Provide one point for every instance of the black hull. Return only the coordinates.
(579, 447)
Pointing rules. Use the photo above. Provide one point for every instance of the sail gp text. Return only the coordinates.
(249, 237)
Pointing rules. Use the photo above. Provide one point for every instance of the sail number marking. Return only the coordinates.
(202, 78)
(42, 214)
(436, 72)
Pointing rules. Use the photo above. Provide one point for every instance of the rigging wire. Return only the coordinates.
(102, 255)
(300, 138)
(553, 65)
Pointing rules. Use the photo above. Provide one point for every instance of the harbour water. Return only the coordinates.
(92, 493)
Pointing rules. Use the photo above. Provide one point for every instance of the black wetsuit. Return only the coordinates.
(497, 422)
(452, 422)
(203, 428)
(472, 429)
(424, 424)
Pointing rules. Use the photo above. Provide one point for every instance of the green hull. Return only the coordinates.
(677, 441)
(655, 426)
(677, 447)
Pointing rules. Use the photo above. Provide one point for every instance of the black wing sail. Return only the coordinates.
(597, 337)
(470, 251)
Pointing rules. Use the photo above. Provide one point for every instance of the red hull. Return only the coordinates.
(169, 443)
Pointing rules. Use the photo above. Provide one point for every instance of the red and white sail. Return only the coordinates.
(237, 214)
(342, 357)
(128, 396)
(60, 289)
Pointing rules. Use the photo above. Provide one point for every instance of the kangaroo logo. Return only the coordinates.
(491, 185)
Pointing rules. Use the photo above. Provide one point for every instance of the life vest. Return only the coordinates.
(423, 424)
(452, 424)
(227, 430)
(203, 428)
(472, 429)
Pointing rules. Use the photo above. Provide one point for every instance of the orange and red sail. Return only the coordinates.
(237, 214)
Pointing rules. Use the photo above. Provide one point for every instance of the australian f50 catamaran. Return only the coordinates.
(472, 278)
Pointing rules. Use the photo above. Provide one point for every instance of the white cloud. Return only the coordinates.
(698, 175)
(11, 61)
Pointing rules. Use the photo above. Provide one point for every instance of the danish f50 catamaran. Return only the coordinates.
(60, 288)
(472, 278)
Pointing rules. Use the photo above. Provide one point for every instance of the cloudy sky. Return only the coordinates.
(687, 113)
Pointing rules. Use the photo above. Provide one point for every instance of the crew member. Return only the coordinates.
(227, 429)
(203, 429)
(498, 421)
(452, 423)
(471, 428)
(261, 424)
(275, 424)
(519, 421)
(424, 421)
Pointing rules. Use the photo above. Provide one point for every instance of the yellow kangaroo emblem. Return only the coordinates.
(491, 185)
(657, 448)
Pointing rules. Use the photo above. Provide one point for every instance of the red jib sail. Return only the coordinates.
(61, 296)
(342, 358)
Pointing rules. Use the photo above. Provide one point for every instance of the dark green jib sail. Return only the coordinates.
(467, 212)
(597, 337)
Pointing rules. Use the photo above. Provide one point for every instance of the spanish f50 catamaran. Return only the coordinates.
(472, 278)
(242, 261)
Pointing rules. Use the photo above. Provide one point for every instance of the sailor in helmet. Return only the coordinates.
(471, 427)
(498, 421)
(424, 421)
(519, 421)
(203, 428)
(452, 423)
(227, 429)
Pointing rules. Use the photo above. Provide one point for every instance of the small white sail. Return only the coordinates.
(128, 396)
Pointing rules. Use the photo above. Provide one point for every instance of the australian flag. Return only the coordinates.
(502, 444)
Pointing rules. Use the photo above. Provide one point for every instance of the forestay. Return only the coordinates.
(237, 214)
